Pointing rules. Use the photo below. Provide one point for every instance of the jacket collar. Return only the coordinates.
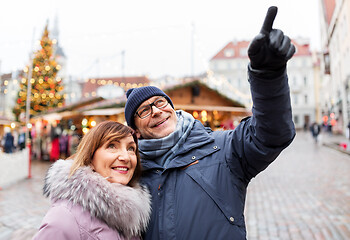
(123, 208)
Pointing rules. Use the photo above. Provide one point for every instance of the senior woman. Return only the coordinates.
(95, 194)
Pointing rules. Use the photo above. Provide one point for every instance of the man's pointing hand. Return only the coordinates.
(270, 49)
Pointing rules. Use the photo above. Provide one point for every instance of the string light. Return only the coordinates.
(84, 122)
(43, 92)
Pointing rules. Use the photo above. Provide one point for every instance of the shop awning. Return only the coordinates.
(212, 108)
(7, 122)
(56, 115)
(104, 112)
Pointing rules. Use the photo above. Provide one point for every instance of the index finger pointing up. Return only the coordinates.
(268, 22)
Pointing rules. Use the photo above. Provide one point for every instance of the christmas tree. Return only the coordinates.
(46, 88)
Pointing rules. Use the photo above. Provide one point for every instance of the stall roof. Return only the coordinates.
(193, 82)
(104, 112)
(212, 108)
(57, 115)
(7, 121)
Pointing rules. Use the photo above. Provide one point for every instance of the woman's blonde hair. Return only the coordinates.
(104, 132)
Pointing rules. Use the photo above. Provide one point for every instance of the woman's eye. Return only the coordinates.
(111, 145)
(132, 149)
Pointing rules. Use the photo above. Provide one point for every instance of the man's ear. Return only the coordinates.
(138, 134)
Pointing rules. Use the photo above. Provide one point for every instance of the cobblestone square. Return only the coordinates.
(304, 194)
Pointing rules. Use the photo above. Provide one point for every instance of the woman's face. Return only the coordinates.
(116, 160)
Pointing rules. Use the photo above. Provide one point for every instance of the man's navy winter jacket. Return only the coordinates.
(201, 194)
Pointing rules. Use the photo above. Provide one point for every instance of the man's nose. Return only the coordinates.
(155, 110)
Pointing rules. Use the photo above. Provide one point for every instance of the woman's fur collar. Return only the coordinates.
(123, 208)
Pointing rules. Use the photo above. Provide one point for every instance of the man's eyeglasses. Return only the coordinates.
(146, 110)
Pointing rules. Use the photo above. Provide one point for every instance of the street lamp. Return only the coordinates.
(29, 91)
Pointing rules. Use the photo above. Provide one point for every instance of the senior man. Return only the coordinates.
(198, 177)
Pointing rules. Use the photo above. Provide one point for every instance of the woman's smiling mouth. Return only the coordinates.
(121, 169)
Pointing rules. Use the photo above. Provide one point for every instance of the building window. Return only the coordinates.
(305, 99)
(303, 63)
(295, 100)
(229, 52)
(327, 67)
(305, 81)
(294, 80)
(243, 52)
(345, 26)
(296, 120)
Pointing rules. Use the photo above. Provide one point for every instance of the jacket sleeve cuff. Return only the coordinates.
(266, 75)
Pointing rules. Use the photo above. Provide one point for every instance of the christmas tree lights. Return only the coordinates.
(46, 88)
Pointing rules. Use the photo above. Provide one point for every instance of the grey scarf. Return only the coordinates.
(163, 150)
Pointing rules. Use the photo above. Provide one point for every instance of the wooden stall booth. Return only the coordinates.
(207, 105)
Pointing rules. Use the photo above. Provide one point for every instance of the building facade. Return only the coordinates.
(335, 61)
(9, 87)
(228, 74)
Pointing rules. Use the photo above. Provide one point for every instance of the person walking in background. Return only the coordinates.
(95, 194)
(64, 144)
(22, 140)
(73, 142)
(198, 178)
(8, 142)
(55, 144)
(315, 131)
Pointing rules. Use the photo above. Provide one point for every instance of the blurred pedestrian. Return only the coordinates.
(315, 131)
(8, 142)
(63, 144)
(95, 194)
(73, 142)
(21, 140)
(198, 178)
(55, 143)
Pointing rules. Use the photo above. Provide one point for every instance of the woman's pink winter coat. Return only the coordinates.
(86, 206)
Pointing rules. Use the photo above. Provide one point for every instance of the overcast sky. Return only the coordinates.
(159, 37)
